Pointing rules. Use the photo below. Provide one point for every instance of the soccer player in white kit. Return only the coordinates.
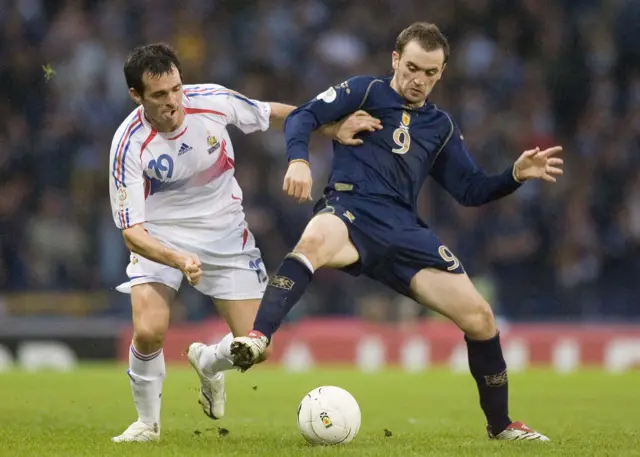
(174, 195)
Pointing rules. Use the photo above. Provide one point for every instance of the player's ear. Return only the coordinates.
(442, 71)
(134, 96)
(395, 60)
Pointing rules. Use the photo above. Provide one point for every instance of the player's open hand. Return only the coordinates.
(297, 182)
(360, 121)
(191, 267)
(537, 164)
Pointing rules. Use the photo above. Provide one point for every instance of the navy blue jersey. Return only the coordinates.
(393, 163)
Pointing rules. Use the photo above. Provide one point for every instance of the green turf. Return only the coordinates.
(434, 413)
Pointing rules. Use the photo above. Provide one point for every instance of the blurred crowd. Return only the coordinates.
(523, 73)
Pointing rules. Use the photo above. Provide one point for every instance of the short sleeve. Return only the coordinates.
(126, 178)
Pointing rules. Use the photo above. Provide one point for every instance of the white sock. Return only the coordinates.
(302, 258)
(217, 357)
(146, 374)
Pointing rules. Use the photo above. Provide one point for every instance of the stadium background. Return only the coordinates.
(522, 73)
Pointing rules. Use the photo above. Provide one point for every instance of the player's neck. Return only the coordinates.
(395, 87)
(166, 128)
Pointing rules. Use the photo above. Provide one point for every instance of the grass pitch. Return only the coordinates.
(433, 413)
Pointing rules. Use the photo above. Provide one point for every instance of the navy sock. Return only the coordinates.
(489, 369)
(284, 290)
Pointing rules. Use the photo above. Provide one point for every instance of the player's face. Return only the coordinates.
(162, 100)
(416, 71)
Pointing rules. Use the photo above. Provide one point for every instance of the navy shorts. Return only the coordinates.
(392, 242)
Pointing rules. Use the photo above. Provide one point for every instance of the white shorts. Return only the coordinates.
(232, 268)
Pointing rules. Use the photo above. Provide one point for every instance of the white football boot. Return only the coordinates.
(247, 350)
(213, 396)
(517, 431)
(139, 432)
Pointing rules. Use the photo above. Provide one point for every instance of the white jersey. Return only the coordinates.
(181, 184)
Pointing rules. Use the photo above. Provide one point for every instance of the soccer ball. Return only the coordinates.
(329, 415)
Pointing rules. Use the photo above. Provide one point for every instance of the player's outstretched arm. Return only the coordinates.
(279, 112)
(251, 115)
(456, 171)
(343, 131)
(334, 115)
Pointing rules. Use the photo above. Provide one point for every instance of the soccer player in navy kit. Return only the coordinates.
(367, 222)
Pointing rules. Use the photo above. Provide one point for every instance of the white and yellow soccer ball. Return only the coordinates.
(329, 415)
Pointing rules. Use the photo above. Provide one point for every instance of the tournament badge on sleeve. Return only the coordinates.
(122, 197)
(328, 96)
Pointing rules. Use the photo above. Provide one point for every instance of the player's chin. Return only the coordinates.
(415, 96)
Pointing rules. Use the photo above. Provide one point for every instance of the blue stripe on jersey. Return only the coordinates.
(217, 92)
(115, 158)
(120, 164)
(244, 99)
(124, 154)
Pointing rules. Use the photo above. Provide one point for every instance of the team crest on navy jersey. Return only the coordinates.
(406, 119)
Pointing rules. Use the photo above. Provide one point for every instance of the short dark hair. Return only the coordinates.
(427, 35)
(156, 59)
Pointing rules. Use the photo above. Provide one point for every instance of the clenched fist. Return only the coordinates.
(190, 266)
(297, 182)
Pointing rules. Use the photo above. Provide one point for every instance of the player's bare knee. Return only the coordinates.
(311, 245)
(478, 322)
(149, 337)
